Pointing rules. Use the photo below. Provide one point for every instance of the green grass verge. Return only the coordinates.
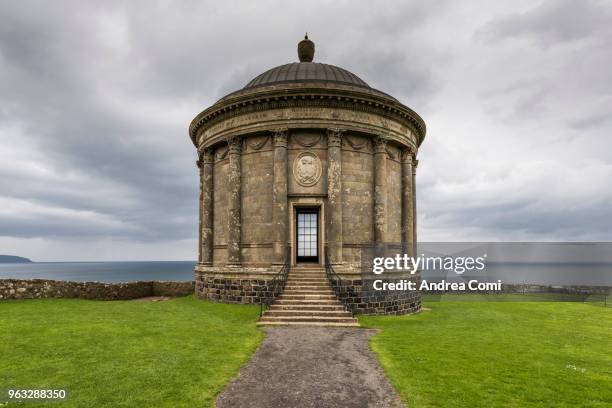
(174, 353)
(498, 354)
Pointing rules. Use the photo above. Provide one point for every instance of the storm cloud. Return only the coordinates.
(96, 97)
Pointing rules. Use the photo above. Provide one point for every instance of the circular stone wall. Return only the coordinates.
(345, 152)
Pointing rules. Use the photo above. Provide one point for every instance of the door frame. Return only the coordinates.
(307, 210)
(316, 203)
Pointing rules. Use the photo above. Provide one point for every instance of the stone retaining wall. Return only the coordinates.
(232, 290)
(43, 288)
(370, 302)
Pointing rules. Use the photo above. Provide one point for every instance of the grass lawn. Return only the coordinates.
(499, 354)
(177, 353)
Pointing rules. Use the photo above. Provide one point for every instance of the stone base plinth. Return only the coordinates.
(369, 302)
(234, 284)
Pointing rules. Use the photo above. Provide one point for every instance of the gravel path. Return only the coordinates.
(305, 367)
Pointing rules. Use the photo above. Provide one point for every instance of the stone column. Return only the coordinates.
(279, 195)
(334, 193)
(205, 163)
(415, 163)
(380, 190)
(233, 202)
(407, 205)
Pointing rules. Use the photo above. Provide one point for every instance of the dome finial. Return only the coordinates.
(306, 49)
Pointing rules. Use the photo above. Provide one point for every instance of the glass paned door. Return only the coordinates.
(307, 235)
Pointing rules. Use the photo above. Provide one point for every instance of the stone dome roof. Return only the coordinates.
(306, 72)
(302, 84)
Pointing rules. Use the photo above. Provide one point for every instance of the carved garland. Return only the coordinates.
(354, 145)
(257, 145)
(304, 143)
(222, 153)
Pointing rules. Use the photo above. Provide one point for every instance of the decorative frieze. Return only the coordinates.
(386, 114)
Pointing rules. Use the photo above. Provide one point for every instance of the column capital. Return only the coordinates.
(279, 136)
(407, 155)
(380, 144)
(415, 163)
(234, 144)
(334, 137)
(205, 156)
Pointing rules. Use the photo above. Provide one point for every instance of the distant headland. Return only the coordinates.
(14, 259)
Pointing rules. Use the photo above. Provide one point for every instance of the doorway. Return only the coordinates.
(307, 235)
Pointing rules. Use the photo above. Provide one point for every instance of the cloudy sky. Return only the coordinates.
(96, 97)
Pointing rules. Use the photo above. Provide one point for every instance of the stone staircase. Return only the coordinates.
(307, 300)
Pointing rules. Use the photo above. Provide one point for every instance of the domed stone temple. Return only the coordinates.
(303, 171)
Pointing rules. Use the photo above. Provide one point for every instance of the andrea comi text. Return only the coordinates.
(410, 264)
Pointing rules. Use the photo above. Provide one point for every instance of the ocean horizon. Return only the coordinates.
(544, 273)
(107, 271)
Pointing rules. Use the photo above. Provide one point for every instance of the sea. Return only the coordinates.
(107, 272)
(544, 273)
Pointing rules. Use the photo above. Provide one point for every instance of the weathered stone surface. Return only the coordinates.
(407, 204)
(234, 201)
(380, 189)
(279, 195)
(334, 193)
(43, 288)
(206, 165)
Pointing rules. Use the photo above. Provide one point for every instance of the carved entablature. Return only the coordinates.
(305, 118)
(300, 107)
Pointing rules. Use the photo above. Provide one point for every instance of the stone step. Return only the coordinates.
(317, 291)
(321, 324)
(308, 313)
(308, 303)
(306, 283)
(307, 279)
(286, 296)
(289, 288)
(318, 319)
(317, 302)
(307, 306)
(314, 276)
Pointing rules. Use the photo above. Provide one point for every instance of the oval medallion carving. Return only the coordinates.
(307, 169)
